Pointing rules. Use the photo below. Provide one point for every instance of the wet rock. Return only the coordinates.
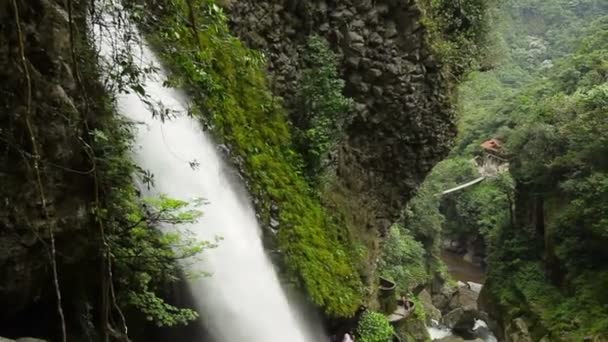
(464, 298)
(412, 329)
(463, 321)
(374, 74)
(441, 299)
(354, 37)
(432, 313)
(483, 332)
(353, 61)
(441, 302)
(475, 287)
(376, 39)
(274, 224)
(518, 331)
(224, 150)
(453, 317)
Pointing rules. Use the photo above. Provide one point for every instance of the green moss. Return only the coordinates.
(457, 31)
(228, 85)
(321, 109)
(412, 329)
(354, 214)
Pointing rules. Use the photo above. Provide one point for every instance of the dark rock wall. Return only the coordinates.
(56, 123)
(403, 123)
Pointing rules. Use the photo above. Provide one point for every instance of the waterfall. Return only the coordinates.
(242, 300)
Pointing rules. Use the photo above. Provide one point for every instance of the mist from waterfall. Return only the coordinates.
(242, 300)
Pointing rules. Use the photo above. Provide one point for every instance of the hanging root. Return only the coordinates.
(107, 282)
(36, 159)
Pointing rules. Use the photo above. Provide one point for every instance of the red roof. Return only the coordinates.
(492, 145)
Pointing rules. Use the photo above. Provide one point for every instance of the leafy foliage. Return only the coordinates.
(228, 85)
(478, 210)
(374, 327)
(554, 122)
(403, 259)
(547, 100)
(142, 257)
(458, 30)
(145, 257)
(526, 292)
(322, 109)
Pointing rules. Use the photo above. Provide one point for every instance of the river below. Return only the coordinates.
(461, 269)
(466, 272)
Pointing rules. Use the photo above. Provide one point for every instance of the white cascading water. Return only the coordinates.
(242, 300)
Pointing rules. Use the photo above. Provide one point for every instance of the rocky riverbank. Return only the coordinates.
(451, 309)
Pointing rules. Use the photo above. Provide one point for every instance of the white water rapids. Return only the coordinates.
(242, 300)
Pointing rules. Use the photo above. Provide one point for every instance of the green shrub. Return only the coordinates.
(143, 259)
(322, 110)
(374, 327)
(403, 259)
(457, 30)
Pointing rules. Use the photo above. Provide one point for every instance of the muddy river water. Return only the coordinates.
(461, 269)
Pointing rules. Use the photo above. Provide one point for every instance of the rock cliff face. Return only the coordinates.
(51, 118)
(402, 124)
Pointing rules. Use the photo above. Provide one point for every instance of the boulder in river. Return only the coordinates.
(463, 321)
(452, 318)
(432, 313)
(464, 297)
(412, 329)
(451, 297)
(441, 298)
(475, 286)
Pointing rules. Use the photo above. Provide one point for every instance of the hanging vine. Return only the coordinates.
(36, 158)
(108, 293)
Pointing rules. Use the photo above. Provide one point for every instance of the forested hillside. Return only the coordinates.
(541, 227)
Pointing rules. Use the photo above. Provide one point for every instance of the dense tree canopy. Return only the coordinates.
(545, 95)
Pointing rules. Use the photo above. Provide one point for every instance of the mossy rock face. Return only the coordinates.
(412, 329)
(402, 124)
(228, 87)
